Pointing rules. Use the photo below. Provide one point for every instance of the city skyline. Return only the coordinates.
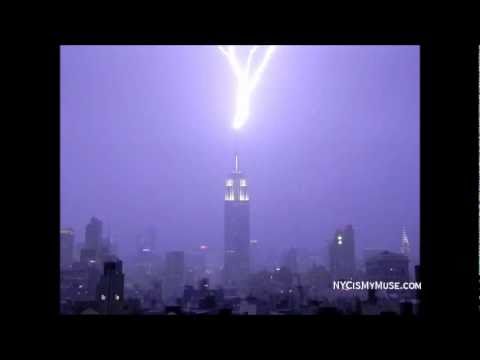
(133, 157)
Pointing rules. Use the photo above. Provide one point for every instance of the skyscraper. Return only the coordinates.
(405, 245)
(174, 280)
(387, 266)
(110, 288)
(342, 254)
(66, 247)
(93, 234)
(237, 230)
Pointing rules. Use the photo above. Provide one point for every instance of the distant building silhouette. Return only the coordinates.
(237, 230)
(387, 266)
(93, 234)
(174, 279)
(66, 247)
(110, 288)
(254, 254)
(74, 283)
(342, 254)
(88, 256)
(79, 282)
(104, 249)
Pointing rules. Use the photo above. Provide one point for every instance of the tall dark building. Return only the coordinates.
(66, 247)
(342, 254)
(387, 266)
(110, 288)
(75, 283)
(174, 280)
(93, 234)
(88, 256)
(237, 230)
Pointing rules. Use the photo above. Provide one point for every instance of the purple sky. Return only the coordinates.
(333, 139)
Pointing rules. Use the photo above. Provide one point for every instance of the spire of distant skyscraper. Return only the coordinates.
(405, 245)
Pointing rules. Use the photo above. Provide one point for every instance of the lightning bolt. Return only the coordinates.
(247, 79)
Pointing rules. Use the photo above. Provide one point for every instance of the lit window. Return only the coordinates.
(229, 182)
(243, 182)
(103, 297)
(339, 237)
(117, 297)
(340, 242)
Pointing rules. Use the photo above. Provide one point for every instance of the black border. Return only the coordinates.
(449, 160)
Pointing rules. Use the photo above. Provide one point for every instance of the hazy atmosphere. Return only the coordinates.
(332, 139)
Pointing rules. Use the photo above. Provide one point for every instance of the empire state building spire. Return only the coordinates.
(236, 188)
(405, 245)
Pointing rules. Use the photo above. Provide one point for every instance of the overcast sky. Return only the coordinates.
(333, 139)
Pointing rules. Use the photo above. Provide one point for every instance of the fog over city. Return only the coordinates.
(331, 143)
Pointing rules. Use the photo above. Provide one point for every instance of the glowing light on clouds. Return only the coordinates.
(247, 79)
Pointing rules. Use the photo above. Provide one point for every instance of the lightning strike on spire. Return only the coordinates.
(247, 80)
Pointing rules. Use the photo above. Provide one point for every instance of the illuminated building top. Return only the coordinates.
(236, 188)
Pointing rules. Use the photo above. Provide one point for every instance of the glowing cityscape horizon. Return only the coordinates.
(247, 80)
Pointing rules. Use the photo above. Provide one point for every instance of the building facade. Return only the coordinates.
(342, 254)
(236, 230)
(67, 237)
(93, 234)
(387, 266)
(174, 278)
(110, 289)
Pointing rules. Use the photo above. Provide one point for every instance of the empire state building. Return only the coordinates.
(237, 230)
